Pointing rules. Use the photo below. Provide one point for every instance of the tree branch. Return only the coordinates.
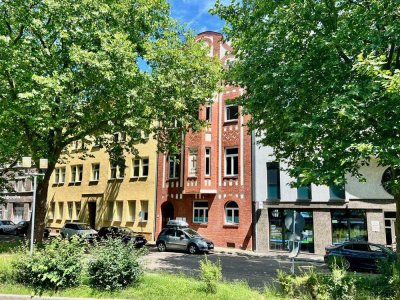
(20, 33)
(390, 56)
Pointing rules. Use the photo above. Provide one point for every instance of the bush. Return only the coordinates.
(114, 265)
(53, 266)
(211, 274)
(308, 285)
(340, 285)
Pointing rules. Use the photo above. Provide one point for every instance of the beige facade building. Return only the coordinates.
(101, 193)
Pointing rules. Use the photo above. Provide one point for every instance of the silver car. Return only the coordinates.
(7, 227)
(80, 229)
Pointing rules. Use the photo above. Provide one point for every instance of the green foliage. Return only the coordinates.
(211, 274)
(72, 70)
(308, 285)
(114, 265)
(53, 266)
(341, 286)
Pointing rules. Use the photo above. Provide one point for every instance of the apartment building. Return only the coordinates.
(208, 184)
(333, 214)
(100, 192)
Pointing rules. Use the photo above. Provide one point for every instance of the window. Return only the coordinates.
(279, 234)
(116, 137)
(62, 176)
(70, 209)
(192, 162)
(208, 113)
(132, 211)
(116, 171)
(76, 173)
(173, 167)
(273, 181)
(95, 172)
(140, 167)
(231, 162)
(208, 162)
(348, 225)
(52, 211)
(337, 192)
(144, 211)
(200, 212)
(304, 192)
(119, 206)
(110, 211)
(232, 112)
(231, 213)
(57, 175)
(77, 210)
(60, 210)
(28, 185)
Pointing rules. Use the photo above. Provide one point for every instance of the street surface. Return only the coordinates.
(257, 271)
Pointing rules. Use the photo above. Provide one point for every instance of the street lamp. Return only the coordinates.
(43, 164)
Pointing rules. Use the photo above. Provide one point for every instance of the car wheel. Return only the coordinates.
(345, 264)
(62, 235)
(192, 249)
(161, 247)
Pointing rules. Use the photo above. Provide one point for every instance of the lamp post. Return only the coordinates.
(43, 164)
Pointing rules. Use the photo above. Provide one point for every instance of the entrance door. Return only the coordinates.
(167, 213)
(92, 214)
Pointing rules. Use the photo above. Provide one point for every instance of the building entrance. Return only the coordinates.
(390, 221)
(167, 213)
(92, 214)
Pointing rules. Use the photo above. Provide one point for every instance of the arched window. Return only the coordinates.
(231, 213)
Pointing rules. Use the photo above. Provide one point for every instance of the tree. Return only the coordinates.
(322, 82)
(72, 70)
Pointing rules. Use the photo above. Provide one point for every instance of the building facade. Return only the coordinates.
(208, 184)
(333, 215)
(101, 193)
(18, 200)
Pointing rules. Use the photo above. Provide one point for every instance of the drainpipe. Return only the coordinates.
(253, 190)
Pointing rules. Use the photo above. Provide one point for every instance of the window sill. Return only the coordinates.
(173, 179)
(143, 221)
(75, 183)
(303, 199)
(231, 225)
(226, 177)
(201, 224)
(231, 122)
(116, 179)
(192, 177)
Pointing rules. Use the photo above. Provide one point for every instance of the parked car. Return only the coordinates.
(80, 229)
(125, 233)
(7, 227)
(23, 226)
(358, 255)
(178, 236)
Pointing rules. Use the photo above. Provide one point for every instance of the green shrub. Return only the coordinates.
(114, 265)
(308, 285)
(211, 274)
(6, 268)
(53, 266)
(340, 285)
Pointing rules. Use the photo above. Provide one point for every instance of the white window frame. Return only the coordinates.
(136, 162)
(57, 173)
(78, 207)
(144, 211)
(63, 174)
(230, 158)
(226, 112)
(207, 157)
(70, 210)
(203, 209)
(192, 168)
(76, 173)
(173, 159)
(95, 172)
(231, 211)
(113, 167)
(119, 209)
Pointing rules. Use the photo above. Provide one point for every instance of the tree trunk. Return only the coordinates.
(41, 204)
(397, 231)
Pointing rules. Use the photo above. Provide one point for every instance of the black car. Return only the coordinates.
(126, 234)
(358, 255)
(22, 229)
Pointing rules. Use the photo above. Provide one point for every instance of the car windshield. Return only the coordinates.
(7, 223)
(191, 232)
(83, 227)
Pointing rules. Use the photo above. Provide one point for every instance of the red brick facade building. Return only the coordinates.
(210, 188)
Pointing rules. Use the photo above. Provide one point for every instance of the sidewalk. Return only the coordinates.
(307, 257)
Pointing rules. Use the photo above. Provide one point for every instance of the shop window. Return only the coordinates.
(349, 225)
(273, 181)
(231, 213)
(200, 212)
(279, 234)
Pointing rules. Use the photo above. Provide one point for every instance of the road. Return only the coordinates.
(257, 271)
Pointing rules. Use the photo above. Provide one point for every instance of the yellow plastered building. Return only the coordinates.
(96, 191)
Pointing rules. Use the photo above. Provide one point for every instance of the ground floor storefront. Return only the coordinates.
(326, 224)
(227, 222)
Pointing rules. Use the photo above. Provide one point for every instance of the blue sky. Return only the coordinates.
(195, 14)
